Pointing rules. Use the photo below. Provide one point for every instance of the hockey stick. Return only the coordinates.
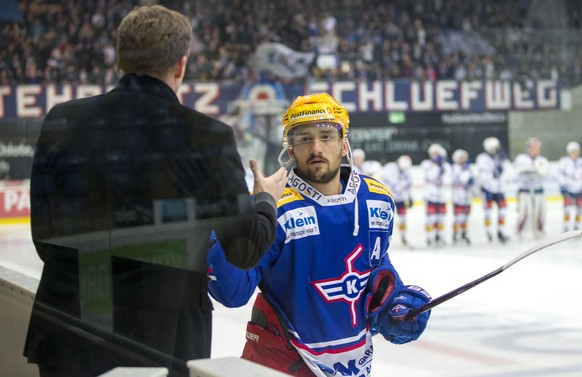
(457, 291)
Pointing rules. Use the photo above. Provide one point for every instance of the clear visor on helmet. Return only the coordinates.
(309, 132)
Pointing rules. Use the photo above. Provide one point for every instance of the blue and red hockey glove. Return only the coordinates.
(382, 287)
(390, 322)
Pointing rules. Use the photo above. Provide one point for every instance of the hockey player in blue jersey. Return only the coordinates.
(327, 284)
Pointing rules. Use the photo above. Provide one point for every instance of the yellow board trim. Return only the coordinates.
(14, 220)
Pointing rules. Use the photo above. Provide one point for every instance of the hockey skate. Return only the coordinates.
(438, 241)
(459, 237)
(465, 238)
(502, 237)
(539, 231)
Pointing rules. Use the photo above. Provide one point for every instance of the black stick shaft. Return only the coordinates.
(457, 291)
(447, 296)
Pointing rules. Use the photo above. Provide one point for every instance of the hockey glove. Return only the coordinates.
(540, 167)
(383, 284)
(408, 203)
(564, 192)
(498, 170)
(392, 325)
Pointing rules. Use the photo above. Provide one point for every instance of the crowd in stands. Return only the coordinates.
(73, 41)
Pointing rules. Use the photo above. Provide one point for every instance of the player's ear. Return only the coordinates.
(291, 153)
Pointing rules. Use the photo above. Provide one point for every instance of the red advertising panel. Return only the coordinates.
(14, 200)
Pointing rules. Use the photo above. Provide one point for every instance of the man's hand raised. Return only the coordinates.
(272, 184)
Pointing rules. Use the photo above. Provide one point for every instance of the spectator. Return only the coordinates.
(376, 40)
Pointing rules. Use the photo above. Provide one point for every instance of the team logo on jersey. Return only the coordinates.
(348, 287)
(299, 223)
(380, 214)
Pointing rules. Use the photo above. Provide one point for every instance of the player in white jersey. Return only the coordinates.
(462, 194)
(327, 284)
(397, 176)
(490, 167)
(371, 168)
(437, 182)
(570, 180)
(358, 158)
(363, 166)
(531, 169)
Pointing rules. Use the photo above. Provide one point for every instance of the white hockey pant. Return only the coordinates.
(532, 209)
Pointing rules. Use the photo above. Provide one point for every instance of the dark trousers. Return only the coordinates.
(52, 371)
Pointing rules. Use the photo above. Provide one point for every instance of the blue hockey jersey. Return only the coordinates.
(316, 272)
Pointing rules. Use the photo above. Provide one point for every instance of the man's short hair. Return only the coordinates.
(151, 40)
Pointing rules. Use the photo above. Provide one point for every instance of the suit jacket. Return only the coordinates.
(125, 190)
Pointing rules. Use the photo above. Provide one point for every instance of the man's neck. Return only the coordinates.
(331, 188)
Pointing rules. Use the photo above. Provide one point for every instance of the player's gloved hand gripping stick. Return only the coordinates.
(455, 292)
(387, 302)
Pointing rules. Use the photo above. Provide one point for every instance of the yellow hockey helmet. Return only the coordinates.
(320, 107)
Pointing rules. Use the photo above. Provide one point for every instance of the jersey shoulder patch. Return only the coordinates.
(289, 195)
(377, 187)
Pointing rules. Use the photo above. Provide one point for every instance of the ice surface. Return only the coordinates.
(525, 322)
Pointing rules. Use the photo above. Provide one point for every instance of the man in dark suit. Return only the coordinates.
(126, 188)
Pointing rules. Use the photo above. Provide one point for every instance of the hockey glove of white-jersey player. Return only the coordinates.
(391, 323)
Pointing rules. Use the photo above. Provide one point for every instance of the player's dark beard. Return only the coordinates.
(318, 177)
